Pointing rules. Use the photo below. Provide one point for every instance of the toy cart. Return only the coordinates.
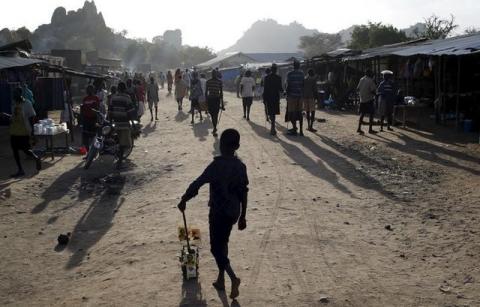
(189, 255)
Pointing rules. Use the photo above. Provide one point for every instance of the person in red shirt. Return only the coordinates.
(88, 116)
(140, 92)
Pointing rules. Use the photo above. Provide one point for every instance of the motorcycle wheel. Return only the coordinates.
(92, 153)
(127, 151)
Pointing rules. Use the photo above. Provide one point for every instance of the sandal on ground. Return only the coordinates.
(235, 291)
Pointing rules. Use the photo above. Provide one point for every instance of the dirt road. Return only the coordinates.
(335, 219)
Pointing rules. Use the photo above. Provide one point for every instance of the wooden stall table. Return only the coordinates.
(49, 149)
(418, 110)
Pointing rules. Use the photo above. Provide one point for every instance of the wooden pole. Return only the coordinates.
(457, 107)
(444, 91)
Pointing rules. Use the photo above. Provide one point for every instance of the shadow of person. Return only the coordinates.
(96, 221)
(200, 130)
(149, 128)
(59, 187)
(316, 168)
(8, 168)
(181, 116)
(224, 299)
(216, 147)
(432, 153)
(344, 167)
(192, 294)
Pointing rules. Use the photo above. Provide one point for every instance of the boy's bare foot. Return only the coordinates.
(235, 285)
(219, 285)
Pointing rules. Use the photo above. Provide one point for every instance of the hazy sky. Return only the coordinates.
(219, 23)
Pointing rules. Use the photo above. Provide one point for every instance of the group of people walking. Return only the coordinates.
(207, 95)
(301, 93)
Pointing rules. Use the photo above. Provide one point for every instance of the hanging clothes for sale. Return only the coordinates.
(49, 94)
(6, 96)
(418, 68)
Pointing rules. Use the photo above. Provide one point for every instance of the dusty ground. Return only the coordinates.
(386, 220)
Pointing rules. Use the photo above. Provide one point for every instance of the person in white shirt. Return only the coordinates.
(247, 88)
(187, 78)
(367, 91)
(202, 102)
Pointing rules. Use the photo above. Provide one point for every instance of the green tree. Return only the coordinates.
(23, 33)
(192, 56)
(438, 28)
(375, 35)
(320, 43)
(472, 30)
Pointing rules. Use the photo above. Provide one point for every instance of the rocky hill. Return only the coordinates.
(270, 36)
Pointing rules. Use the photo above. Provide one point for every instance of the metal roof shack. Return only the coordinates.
(455, 46)
(15, 62)
(226, 60)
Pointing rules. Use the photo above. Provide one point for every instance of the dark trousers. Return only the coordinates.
(220, 229)
(21, 143)
(89, 131)
(247, 104)
(214, 108)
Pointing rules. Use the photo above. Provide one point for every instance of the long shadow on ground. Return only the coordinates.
(430, 152)
(97, 220)
(192, 294)
(200, 129)
(59, 188)
(181, 116)
(152, 125)
(316, 168)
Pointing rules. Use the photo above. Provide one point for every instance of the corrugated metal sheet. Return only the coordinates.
(455, 46)
(12, 62)
(215, 62)
(272, 57)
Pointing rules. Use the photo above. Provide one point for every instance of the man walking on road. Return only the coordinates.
(152, 97)
(228, 179)
(367, 91)
(309, 97)
(247, 87)
(169, 82)
(214, 94)
(295, 81)
(271, 96)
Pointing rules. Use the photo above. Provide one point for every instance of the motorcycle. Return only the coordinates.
(106, 141)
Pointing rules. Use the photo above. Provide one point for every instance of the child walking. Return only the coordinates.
(227, 176)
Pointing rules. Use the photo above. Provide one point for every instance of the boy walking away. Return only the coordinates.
(152, 97)
(180, 91)
(169, 82)
(161, 78)
(262, 86)
(367, 91)
(20, 130)
(196, 94)
(214, 94)
(310, 94)
(271, 96)
(387, 96)
(295, 81)
(228, 180)
(247, 88)
(89, 116)
(237, 83)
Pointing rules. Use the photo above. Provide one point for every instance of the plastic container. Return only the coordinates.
(467, 125)
(37, 129)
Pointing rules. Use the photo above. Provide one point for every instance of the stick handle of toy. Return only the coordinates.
(186, 230)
